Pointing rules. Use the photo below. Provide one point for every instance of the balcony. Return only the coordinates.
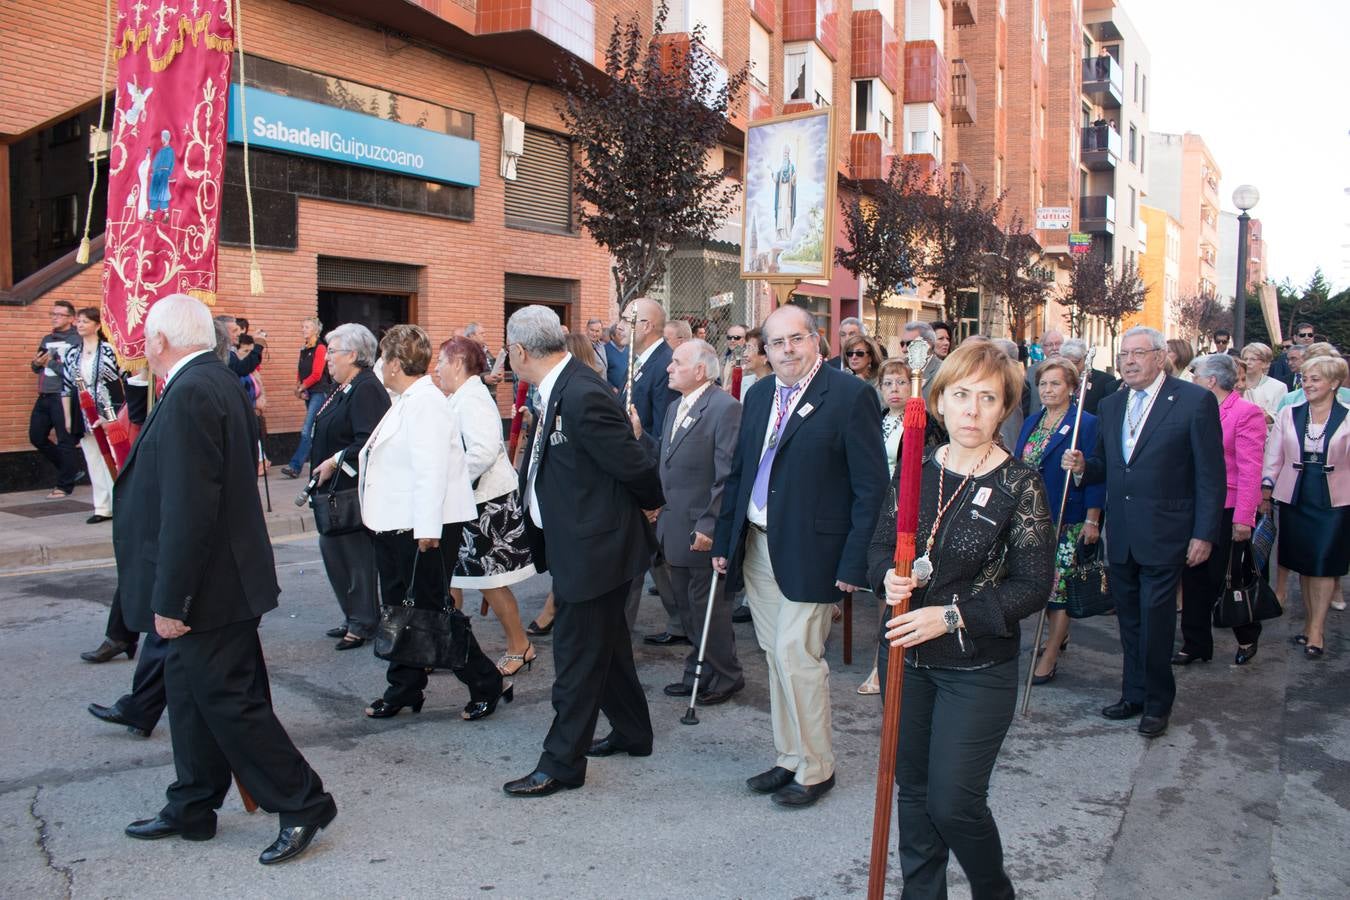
(568, 23)
(876, 49)
(961, 178)
(760, 106)
(925, 165)
(869, 157)
(678, 48)
(1097, 214)
(927, 77)
(963, 94)
(1104, 81)
(812, 20)
(763, 11)
(963, 13)
(1101, 148)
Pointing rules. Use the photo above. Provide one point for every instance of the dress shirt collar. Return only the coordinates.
(646, 354)
(1152, 389)
(182, 362)
(689, 399)
(545, 386)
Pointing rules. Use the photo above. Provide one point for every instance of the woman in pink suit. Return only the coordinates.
(1244, 437)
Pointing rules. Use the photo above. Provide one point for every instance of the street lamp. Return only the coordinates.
(1244, 198)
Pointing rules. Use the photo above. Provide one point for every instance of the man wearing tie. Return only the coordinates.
(585, 485)
(801, 502)
(1160, 452)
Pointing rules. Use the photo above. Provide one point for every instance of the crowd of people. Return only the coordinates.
(754, 483)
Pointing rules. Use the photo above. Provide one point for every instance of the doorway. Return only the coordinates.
(377, 311)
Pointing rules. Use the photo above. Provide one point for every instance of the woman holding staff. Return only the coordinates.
(985, 560)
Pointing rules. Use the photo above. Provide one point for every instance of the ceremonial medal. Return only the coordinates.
(922, 570)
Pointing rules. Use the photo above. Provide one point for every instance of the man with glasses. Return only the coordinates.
(732, 356)
(49, 413)
(798, 510)
(1051, 343)
(1286, 367)
(1223, 339)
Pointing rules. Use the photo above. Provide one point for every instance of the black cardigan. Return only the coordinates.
(347, 421)
(996, 558)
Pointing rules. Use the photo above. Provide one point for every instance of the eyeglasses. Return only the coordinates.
(894, 383)
(735, 337)
(1135, 354)
(1304, 334)
(796, 340)
(856, 353)
(904, 344)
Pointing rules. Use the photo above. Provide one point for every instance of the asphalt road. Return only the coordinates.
(1246, 796)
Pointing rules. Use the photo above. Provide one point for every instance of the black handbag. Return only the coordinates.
(1246, 596)
(423, 638)
(1086, 592)
(337, 512)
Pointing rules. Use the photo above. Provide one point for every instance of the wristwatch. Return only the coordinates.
(951, 618)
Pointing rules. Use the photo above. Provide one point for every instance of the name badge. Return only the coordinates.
(688, 422)
(637, 377)
(557, 438)
(982, 496)
(1064, 430)
(805, 410)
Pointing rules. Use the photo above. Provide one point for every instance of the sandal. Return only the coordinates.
(1300, 639)
(1312, 651)
(511, 663)
(57, 494)
(534, 629)
(872, 685)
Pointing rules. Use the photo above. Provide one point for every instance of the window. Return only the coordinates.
(872, 104)
(1136, 82)
(760, 58)
(65, 219)
(686, 15)
(1134, 144)
(808, 74)
(1142, 147)
(1041, 114)
(732, 164)
(998, 174)
(1134, 207)
(1143, 95)
(541, 195)
(862, 104)
(794, 75)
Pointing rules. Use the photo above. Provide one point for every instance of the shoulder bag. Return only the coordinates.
(337, 512)
(1085, 584)
(1246, 596)
(423, 638)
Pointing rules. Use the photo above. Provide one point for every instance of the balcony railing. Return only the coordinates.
(963, 13)
(1101, 147)
(1097, 214)
(963, 94)
(1104, 81)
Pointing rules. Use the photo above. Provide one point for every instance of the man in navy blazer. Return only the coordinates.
(1160, 451)
(799, 507)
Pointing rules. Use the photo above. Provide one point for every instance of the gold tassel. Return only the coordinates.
(82, 255)
(255, 279)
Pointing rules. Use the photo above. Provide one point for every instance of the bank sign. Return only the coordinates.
(283, 123)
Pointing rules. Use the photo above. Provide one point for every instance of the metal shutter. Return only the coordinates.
(336, 274)
(541, 195)
(532, 289)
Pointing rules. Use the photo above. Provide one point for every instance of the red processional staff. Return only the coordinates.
(906, 524)
(517, 416)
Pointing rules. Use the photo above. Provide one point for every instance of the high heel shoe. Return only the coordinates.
(521, 661)
(1047, 677)
(1182, 658)
(1063, 645)
(1245, 654)
(534, 629)
(109, 650)
(379, 709)
(480, 709)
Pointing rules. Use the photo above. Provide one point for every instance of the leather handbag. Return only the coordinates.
(1263, 541)
(337, 512)
(423, 638)
(1086, 592)
(1246, 597)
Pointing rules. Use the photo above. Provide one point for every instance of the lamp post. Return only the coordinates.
(1244, 198)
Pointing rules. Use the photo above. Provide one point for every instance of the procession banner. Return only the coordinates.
(165, 157)
(789, 178)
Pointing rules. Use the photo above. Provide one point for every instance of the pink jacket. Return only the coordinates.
(1282, 452)
(1244, 438)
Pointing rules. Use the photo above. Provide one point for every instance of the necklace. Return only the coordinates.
(780, 406)
(923, 566)
(888, 426)
(1133, 423)
(1307, 428)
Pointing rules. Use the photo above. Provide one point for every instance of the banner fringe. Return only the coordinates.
(207, 297)
(133, 40)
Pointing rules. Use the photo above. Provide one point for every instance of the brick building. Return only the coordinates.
(1160, 269)
(1183, 179)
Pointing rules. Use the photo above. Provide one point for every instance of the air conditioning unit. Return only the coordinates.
(98, 143)
(513, 144)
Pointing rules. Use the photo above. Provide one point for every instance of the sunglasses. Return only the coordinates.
(735, 337)
(856, 353)
(1305, 334)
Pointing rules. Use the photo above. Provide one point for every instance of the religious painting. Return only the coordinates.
(787, 230)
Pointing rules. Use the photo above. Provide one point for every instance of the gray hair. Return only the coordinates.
(356, 338)
(222, 350)
(1154, 336)
(854, 320)
(184, 322)
(1008, 347)
(925, 331)
(594, 320)
(537, 329)
(313, 320)
(1219, 366)
(705, 356)
(225, 319)
(472, 328)
(1074, 349)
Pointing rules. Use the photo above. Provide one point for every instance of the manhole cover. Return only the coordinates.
(47, 508)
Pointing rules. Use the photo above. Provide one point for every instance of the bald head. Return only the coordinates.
(651, 321)
(791, 342)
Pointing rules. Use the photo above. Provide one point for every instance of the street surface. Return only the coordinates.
(1246, 796)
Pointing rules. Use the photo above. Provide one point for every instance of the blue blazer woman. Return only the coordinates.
(1081, 499)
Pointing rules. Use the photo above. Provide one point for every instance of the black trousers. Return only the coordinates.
(594, 673)
(221, 721)
(1146, 611)
(952, 725)
(64, 454)
(721, 667)
(1200, 586)
(116, 629)
(145, 704)
(400, 565)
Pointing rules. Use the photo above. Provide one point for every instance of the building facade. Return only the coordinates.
(1229, 232)
(1160, 269)
(1183, 179)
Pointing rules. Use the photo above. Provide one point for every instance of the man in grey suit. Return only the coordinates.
(696, 446)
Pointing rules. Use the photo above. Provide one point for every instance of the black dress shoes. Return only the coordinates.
(665, 639)
(1123, 709)
(113, 715)
(712, 698)
(770, 781)
(350, 643)
(537, 784)
(290, 843)
(1182, 658)
(109, 650)
(741, 614)
(678, 689)
(1245, 654)
(340, 631)
(160, 827)
(796, 794)
(1153, 726)
(607, 746)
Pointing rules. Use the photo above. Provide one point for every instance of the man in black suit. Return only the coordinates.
(195, 566)
(1160, 452)
(799, 508)
(585, 485)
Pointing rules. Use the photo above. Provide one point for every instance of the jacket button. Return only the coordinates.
(1127, 496)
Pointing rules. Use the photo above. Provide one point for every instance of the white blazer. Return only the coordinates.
(412, 467)
(475, 412)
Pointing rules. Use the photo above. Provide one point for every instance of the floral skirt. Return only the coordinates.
(493, 550)
(1064, 554)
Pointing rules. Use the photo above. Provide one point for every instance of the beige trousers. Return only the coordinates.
(99, 476)
(792, 636)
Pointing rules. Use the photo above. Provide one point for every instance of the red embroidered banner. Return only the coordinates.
(165, 156)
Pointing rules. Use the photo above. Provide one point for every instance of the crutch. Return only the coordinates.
(690, 717)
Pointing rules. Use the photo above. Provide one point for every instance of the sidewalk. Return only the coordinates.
(35, 531)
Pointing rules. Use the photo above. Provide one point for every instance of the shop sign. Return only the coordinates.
(1080, 243)
(290, 125)
(1053, 218)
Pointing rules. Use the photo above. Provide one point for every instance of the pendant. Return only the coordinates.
(1312, 459)
(773, 439)
(922, 570)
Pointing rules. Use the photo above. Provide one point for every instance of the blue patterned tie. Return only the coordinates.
(1131, 420)
(759, 494)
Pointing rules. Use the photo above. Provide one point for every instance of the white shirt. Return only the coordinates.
(647, 354)
(1150, 399)
(756, 515)
(183, 362)
(545, 388)
(687, 403)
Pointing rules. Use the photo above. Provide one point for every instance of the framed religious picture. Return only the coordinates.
(787, 231)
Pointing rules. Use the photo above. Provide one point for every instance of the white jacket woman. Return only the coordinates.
(475, 413)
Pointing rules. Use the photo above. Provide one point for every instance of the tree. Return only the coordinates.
(885, 233)
(1199, 315)
(1013, 272)
(644, 137)
(1086, 287)
(961, 226)
(1121, 295)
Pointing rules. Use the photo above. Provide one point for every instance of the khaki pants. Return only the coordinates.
(792, 636)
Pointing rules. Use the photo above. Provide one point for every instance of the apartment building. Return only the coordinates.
(1160, 270)
(1183, 179)
(1228, 254)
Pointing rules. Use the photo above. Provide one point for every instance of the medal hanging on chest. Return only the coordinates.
(922, 569)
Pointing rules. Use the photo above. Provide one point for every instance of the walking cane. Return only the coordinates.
(690, 717)
(906, 524)
(1059, 529)
(262, 461)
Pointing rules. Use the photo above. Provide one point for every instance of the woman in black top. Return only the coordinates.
(341, 428)
(986, 529)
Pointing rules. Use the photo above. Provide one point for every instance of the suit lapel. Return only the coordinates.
(1334, 420)
(695, 413)
(1058, 436)
(551, 415)
(158, 404)
(810, 403)
(1162, 408)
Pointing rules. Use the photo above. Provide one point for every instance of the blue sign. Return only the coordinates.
(278, 122)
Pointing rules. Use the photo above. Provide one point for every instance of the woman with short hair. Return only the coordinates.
(1179, 356)
(1264, 391)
